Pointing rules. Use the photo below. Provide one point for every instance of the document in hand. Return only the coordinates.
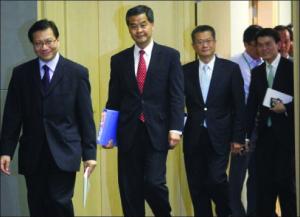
(86, 185)
(277, 95)
(108, 127)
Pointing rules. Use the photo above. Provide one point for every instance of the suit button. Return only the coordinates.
(205, 109)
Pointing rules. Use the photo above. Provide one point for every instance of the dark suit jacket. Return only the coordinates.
(162, 100)
(224, 108)
(283, 81)
(63, 115)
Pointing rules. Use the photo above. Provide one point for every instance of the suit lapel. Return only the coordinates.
(195, 79)
(279, 74)
(37, 76)
(215, 78)
(57, 76)
(154, 60)
(130, 70)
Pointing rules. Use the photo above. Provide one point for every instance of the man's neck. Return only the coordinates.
(206, 59)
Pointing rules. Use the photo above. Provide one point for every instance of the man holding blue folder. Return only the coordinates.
(146, 87)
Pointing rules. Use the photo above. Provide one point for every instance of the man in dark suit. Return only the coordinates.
(146, 87)
(285, 41)
(275, 148)
(245, 162)
(215, 109)
(49, 99)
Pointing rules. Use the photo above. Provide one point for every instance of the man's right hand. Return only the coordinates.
(4, 164)
(110, 145)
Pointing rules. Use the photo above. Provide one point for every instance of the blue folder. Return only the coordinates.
(108, 128)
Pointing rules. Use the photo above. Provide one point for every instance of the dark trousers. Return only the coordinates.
(142, 176)
(207, 179)
(50, 190)
(275, 175)
(239, 165)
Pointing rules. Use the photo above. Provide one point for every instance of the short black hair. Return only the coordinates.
(281, 28)
(250, 33)
(42, 25)
(203, 28)
(140, 9)
(268, 32)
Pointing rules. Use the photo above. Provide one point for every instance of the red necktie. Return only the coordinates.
(141, 76)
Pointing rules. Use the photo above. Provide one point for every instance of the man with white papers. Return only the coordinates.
(275, 154)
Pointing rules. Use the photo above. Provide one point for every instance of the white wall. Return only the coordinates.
(240, 20)
(284, 12)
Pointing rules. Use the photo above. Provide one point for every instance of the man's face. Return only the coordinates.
(204, 45)
(267, 48)
(285, 43)
(140, 29)
(251, 49)
(45, 44)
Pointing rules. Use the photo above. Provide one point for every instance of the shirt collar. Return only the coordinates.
(275, 61)
(148, 49)
(210, 64)
(51, 64)
(251, 61)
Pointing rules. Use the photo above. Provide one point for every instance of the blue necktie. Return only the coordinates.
(46, 78)
(204, 82)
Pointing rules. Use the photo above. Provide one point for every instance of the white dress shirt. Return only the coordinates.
(246, 63)
(209, 71)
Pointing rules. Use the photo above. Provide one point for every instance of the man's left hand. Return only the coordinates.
(174, 139)
(91, 164)
(278, 108)
(237, 148)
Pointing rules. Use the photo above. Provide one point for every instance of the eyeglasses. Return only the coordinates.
(203, 42)
(137, 26)
(48, 42)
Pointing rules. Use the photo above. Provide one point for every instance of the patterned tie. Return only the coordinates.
(141, 76)
(46, 78)
(270, 78)
(204, 82)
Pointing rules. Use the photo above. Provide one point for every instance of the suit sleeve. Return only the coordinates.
(176, 92)
(85, 116)
(252, 107)
(12, 119)
(239, 130)
(113, 101)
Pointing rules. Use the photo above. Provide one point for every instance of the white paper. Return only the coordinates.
(86, 185)
(271, 93)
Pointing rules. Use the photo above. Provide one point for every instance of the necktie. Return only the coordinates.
(46, 78)
(204, 82)
(270, 78)
(270, 75)
(141, 76)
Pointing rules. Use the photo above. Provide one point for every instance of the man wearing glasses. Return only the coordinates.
(215, 121)
(49, 99)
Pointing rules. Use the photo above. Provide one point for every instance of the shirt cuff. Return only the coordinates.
(176, 131)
